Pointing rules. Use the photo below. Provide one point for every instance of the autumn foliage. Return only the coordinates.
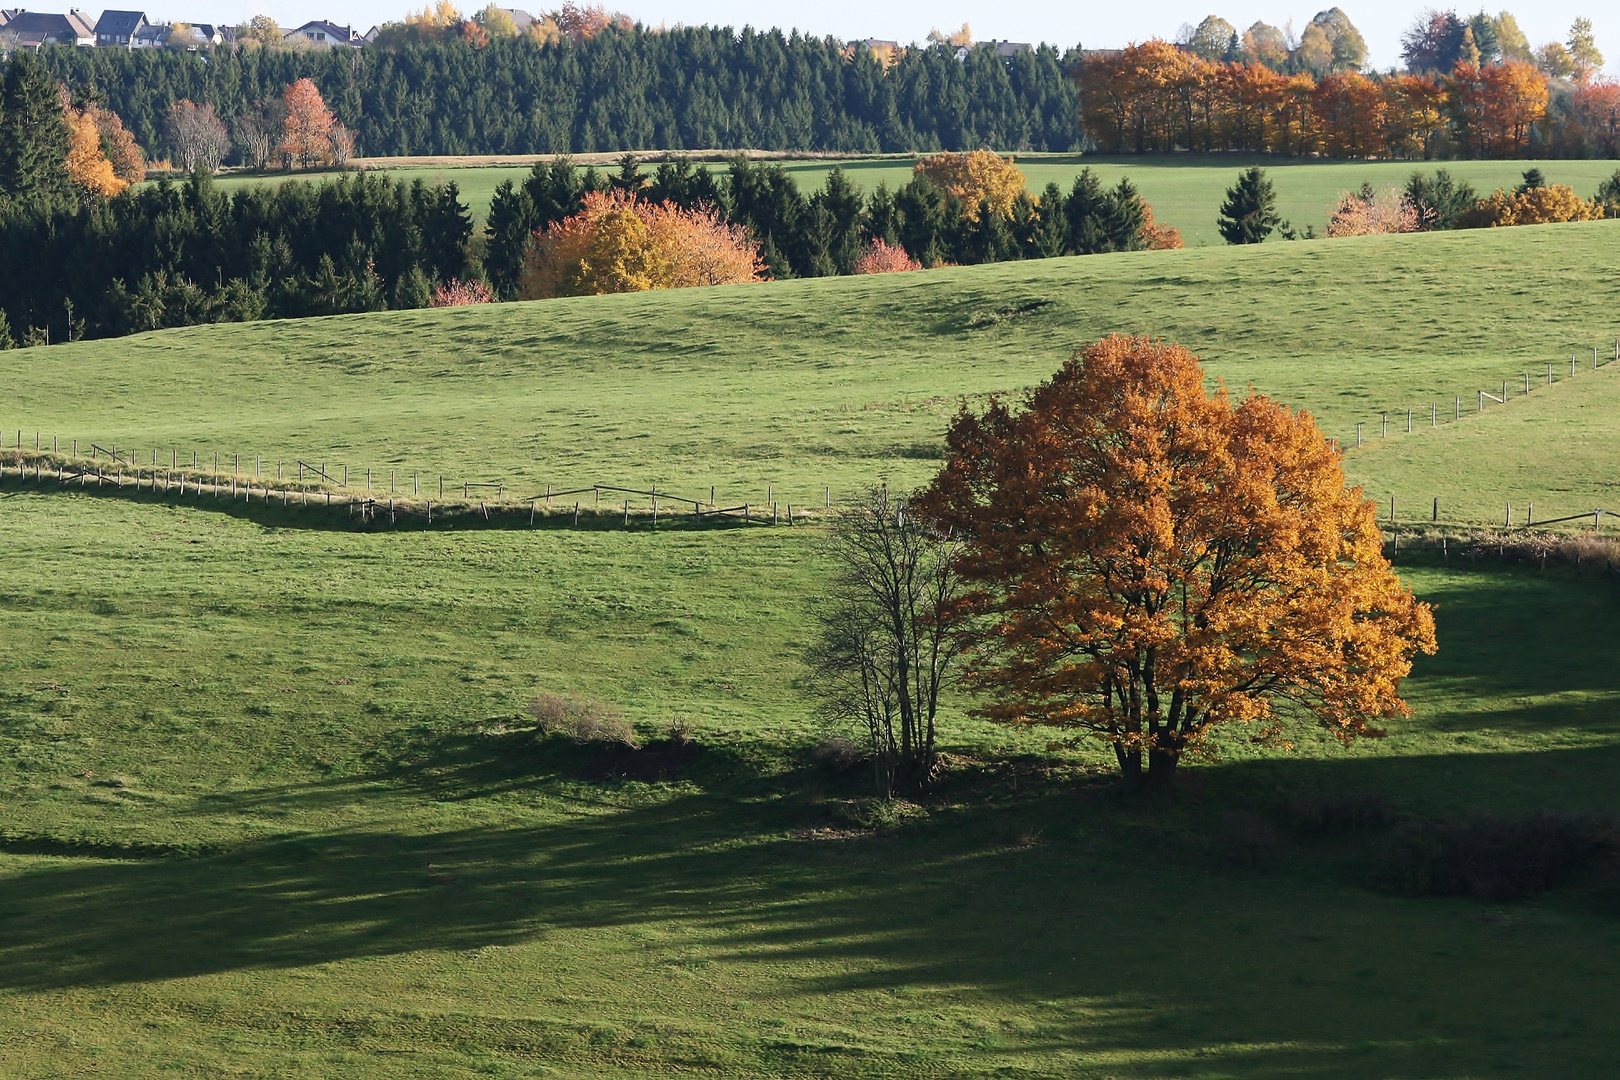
(1155, 97)
(880, 258)
(1530, 206)
(1371, 213)
(621, 243)
(88, 168)
(457, 293)
(306, 133)
(975, 180)
(1150, 561)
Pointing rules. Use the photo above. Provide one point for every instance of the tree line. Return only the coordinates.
(1157, 97)
(681, 88)
(957, 209)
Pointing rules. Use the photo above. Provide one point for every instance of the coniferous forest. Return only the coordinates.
(683, 88)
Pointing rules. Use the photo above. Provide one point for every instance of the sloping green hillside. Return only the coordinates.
(834, 382)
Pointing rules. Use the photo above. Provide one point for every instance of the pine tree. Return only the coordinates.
(512, 222)
(1249, 214)
(34, 137)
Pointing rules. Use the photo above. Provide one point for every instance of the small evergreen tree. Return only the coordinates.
(1249, 214)
(512, 222)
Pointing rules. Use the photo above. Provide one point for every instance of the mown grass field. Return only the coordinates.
(1186, 191)
(268, 805)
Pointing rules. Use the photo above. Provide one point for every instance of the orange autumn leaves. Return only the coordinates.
(621, 243)
(1150, 561)
(1154, 97)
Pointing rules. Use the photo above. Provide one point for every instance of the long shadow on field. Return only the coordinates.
(1109, 918)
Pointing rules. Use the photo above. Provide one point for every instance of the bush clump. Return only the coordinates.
(1492, 858)
(582, 720)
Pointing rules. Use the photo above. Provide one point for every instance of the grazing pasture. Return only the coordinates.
(270, 802)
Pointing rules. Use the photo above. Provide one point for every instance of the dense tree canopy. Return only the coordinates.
(1148, 561)
(682, 88)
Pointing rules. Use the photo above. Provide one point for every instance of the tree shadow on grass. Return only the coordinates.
(1102, 917)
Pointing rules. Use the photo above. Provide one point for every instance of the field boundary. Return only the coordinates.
(290, 501)
(1531, 383)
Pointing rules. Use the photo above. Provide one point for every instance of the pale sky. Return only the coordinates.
(1095, 25)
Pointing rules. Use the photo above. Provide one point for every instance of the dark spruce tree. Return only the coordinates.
(33, 139)
(1249, 214)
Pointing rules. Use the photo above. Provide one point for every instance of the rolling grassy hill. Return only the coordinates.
(269, 804)
(834, 382)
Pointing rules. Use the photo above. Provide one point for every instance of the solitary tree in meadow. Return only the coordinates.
(1249, 214)
(1147, 562)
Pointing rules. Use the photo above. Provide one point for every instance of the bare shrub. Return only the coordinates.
(836, 754)
(582, 720)
(1491, 858)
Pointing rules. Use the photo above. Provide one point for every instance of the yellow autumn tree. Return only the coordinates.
(1546, 205)
(86, 164)
(976, 179)
(620, 243)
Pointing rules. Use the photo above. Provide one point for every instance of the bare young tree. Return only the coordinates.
(885, 647)
(254, 143)
(342, 145)
(196, 136)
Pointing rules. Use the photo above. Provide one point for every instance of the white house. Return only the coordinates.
(325, 35)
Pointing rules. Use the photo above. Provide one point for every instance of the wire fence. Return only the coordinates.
(312, 486)
(1519, 386)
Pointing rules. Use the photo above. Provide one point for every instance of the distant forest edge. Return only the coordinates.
(685, 88)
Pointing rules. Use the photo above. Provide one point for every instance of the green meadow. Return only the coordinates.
(270, 805)
(1186, 191)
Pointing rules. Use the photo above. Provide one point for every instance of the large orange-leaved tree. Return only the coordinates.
(1149, 561)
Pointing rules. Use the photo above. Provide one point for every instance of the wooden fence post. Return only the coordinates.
(627, 511)
(1358, 434)
(1436, 509)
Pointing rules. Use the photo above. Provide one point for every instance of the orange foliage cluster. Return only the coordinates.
(1534, 206)
(1156, 97)
(621, 243)
(881, 258)
(118, 144)
(1149, 561)
(1594, 111)
(1156, 237)
(457, 293)
(87, 166)
(306, 137)
(1371, 213)
(976, 179)
(581, 22)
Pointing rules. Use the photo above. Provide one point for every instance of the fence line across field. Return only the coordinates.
(1482, 396)
(369, 507)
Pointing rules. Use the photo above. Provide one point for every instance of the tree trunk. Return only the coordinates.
(1130, 768)
(1161, 775)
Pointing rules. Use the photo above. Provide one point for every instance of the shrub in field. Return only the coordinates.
(618, 242)
(1156, 237)
(580, 719)
(1608, 196)
(1370, 213)
(976, 180)
(1529, 206)
(457, 293)
(881, 258)
(1492, 858)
